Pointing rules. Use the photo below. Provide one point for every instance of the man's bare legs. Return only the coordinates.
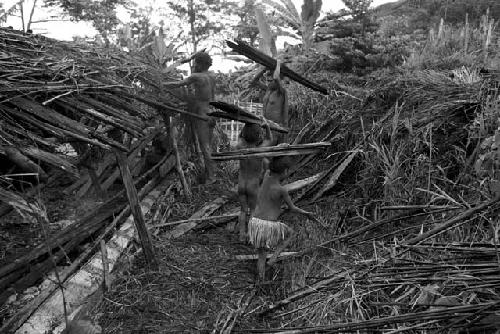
(204, 131)
(243, 218)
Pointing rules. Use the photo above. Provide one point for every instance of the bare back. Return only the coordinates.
(250, 169)
(269, 198)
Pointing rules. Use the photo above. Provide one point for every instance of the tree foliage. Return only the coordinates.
(310, 13)
(358, 8)
(246, 28)
(303, 24)
(205, 18)
(102, 13)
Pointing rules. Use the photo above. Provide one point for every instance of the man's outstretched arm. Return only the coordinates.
(186, 82)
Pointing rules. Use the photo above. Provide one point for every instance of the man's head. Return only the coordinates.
(252, 133)
(202, 62)
(279, 165)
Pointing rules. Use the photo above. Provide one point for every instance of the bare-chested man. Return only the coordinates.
(276, 105)
(203, 83)
(250, 172)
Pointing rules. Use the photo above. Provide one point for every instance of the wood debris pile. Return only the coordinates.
(53, 93)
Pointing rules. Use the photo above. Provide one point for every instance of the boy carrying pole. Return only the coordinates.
(275, 104)
(250, 172)
(264, 229)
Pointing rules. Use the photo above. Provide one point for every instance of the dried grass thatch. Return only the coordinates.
(51, 89)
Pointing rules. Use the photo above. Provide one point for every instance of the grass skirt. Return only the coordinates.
(266, 233)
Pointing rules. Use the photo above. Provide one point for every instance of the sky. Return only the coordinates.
(65, 30)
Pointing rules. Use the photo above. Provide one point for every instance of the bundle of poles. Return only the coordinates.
(267, 61)
(271, 151)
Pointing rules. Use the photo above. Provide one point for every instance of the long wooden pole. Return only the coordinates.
(139, 221)
(178, 163)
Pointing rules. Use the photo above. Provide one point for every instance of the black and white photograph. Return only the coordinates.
(249, 166)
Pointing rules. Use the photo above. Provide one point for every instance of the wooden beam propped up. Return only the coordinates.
(139, 220)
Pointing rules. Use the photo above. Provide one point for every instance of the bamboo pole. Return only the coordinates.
(139, 221)
(449, 223)
(178, 164)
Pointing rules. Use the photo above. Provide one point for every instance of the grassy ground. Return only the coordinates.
(199, 282)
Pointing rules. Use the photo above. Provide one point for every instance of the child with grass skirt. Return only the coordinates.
(264, 229)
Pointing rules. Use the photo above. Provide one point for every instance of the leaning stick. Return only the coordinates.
(271, 151)
(263, 59)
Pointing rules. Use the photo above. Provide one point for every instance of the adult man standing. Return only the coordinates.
(203, 83)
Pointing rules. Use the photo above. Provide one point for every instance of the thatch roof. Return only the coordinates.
(57, 89)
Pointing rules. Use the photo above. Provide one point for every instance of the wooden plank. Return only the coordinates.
(178, 164)
(79, 107)
(52, 159)
(252, 257)
(335, 175)
(62, 122)
(109, 159)
(139, 221)
(112, 116)
(26, 164)
(270, 151)
(196, 220)
(205, 211)
(58, 132)
(20, 131)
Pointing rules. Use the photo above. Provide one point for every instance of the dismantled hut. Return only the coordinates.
(83, 113)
